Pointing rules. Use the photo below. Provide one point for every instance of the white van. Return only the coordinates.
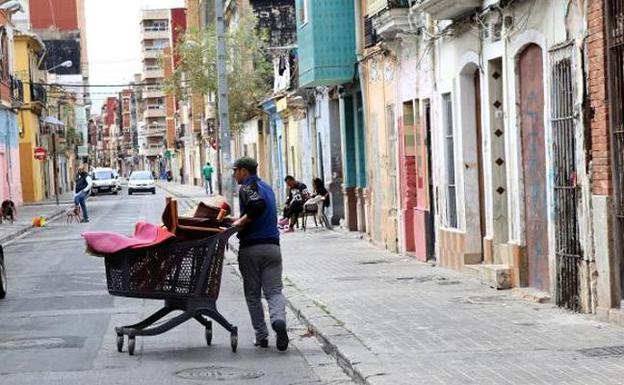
(104, 181)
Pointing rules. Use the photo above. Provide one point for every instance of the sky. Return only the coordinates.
(113, 42)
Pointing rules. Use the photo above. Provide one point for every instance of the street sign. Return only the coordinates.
(40, 153)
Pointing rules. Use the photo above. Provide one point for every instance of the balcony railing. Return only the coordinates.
(151, 72)
(446, 9)
(152, 52)
(155, 28)
(392, 19)
(375, 6)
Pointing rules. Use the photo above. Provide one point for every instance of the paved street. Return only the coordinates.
(58, 318)
(391, 320)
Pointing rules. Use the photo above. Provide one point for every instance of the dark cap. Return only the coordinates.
(246, 162)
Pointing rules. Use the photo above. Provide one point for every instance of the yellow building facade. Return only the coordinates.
(28, 48)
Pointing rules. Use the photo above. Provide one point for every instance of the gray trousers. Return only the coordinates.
(261, 268)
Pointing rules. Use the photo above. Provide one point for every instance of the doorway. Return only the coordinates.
(474, 205)
(430, 215)
(531, 109)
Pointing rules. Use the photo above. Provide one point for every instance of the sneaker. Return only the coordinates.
(289, 230)
(85, 220)
(263, 343)
(283, 222)
(281, 340)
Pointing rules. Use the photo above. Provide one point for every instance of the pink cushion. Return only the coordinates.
(145, 235)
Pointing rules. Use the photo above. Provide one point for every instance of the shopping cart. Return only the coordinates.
(186, 275)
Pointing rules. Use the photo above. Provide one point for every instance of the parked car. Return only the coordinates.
(141, 181)
(104, 181)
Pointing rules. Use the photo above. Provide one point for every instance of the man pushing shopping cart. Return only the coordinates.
(259, 256)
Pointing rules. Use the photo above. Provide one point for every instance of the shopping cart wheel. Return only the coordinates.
(120, 341)
(131, 343)
(3, 276)
(234, 339)
(209, 334)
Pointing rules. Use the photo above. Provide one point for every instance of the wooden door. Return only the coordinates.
(531, 84)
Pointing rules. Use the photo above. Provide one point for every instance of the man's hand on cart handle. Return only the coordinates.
(241, 222)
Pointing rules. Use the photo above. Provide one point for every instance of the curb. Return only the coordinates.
(324, 327)
(26, 228)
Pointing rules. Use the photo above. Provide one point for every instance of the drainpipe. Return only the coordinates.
(358, 28)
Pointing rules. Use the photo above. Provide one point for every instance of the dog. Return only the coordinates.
(8, 212)
(73, 215)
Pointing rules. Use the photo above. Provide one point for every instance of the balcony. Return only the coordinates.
(153, 91)
(154, 111)
(153, 150)
(326, 43)
(153, 72)
(155, 130)
(154, 32)
(152, 53)
(447, 9)
(391, 18)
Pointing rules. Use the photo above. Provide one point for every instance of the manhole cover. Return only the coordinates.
(220, 373)
(43, 343)
(605, 351)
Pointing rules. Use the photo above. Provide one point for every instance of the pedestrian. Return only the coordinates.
(207, 172)
(298, 194)
(83, 187)
(320, 197)
(259, 255)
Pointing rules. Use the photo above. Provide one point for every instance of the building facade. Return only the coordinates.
(34, 178)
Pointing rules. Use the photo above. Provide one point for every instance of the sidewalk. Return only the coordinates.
(388, 319)
(28, 211)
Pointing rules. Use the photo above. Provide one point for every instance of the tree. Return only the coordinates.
(247, 61)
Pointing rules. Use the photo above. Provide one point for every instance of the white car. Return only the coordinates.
(141, 181)
(103, 181)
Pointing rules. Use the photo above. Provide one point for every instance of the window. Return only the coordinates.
(4, 55)
(449, 152)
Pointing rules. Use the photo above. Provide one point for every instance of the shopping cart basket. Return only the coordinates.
(186, 275)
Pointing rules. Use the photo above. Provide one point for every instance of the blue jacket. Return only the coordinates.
(257, 201)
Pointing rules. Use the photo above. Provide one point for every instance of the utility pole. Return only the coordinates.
(54, 160)
(224, 157)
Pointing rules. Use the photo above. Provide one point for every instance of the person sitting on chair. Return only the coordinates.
(319, 200)
(298, 194)
(319, 195)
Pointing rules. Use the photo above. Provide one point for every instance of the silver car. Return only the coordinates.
(141, 181)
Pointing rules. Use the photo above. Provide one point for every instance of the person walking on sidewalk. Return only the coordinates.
(259, 255)
(207, 171)
(83, 187)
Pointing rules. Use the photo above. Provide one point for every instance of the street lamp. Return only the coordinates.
(12, 6)
(65, 64)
